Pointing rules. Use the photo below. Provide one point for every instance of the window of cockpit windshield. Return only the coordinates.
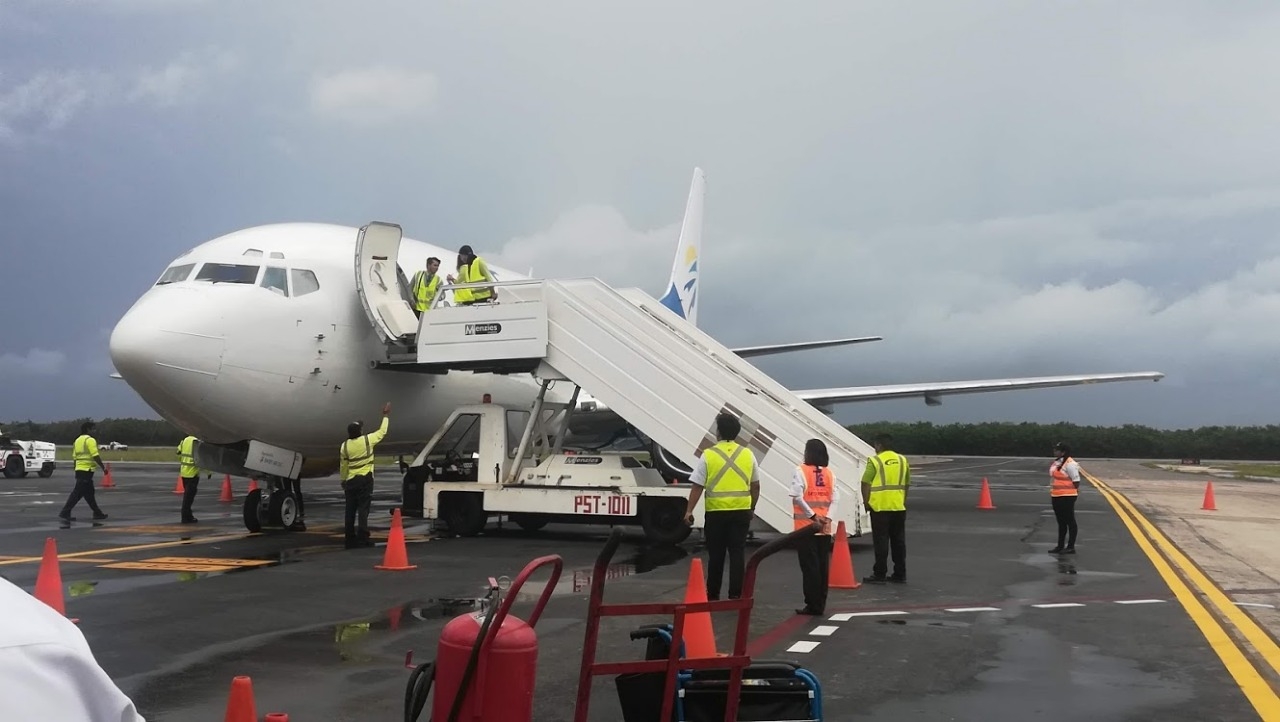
(276, 280)
(227, 273)
(304, 282)
(174, 274)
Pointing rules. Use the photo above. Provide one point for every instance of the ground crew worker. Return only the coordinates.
(424, 286)
(813, 499)
(190, 474)
(728, 472)
(356, 459)
(884, 487)
(472, 269)
(1064, 486)
(85, 453)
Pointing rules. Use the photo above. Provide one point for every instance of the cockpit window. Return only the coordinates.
(175, 274)
(276, 280)
(304, 281)
(252, 252)
(227, 273)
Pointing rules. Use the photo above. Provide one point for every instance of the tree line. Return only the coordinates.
(1252, 443)
(1260, 443)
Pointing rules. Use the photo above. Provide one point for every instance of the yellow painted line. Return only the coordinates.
(134, 548)
(1262, 642)
(1251, 682)
(210, 560)
(167, 567)
(158, 529)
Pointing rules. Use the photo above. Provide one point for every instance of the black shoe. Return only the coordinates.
(99, 515)
(66, 517)
(190, 520)
(874, 580)
(1056, 550)
(1069, 550)
(809, 611)
(898, 580)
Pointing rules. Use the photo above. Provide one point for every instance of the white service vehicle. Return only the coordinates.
(19, 458)
(469, 472)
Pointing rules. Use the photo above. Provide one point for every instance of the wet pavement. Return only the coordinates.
(988, 627)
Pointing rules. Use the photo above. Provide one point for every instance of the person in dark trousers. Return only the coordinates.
(1064, 488)
(190, 474)
(813, 499)
(85, 454)
(356, 460)
(884, 487)
(726, 474)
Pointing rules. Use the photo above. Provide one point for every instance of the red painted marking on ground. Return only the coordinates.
(783, 630)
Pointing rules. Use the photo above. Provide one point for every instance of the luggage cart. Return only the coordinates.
(674, 669)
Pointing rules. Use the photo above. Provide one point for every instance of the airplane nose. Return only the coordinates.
(168, 350)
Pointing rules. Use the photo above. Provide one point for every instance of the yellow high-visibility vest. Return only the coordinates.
(83, 451)
(889, 487)
(187, 458)
(423, 290)
(729, 468)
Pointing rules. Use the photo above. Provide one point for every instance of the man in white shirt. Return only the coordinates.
(49, 672)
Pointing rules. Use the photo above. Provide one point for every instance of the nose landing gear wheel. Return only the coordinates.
(283, 509)
(252, 502)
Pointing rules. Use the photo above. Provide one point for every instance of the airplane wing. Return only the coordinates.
(750, 351)
(824, 398)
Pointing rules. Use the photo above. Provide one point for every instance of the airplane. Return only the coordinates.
(263, 339)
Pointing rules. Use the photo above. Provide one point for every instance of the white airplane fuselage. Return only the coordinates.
(232, 361)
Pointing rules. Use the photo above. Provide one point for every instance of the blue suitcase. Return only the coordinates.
(772, 690)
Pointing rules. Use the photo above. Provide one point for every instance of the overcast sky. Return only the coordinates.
(998, 189)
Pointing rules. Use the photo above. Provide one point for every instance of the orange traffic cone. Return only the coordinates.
(226, 489)
(107, 481)
(277, 717)
(49, 579)
(180, 488)
(240, 706)
(1209, 504)
(984, 501)
(699, 637)
(253, 485)
(397, 557)
(841, 576)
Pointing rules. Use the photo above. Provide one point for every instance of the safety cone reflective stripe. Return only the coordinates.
(396, 557)
(984, 501)
(841, 576)
(240, 705)
(226, 489)
(1209, 504)
(180, 488)
(699, 637)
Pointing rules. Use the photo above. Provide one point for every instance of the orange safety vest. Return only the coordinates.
(1061, 484)
(818, 484)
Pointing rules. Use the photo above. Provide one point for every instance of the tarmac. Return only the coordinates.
(989, 626)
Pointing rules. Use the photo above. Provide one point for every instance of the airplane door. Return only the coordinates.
(377, 282)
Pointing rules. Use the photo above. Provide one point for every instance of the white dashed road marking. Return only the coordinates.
(826, 630)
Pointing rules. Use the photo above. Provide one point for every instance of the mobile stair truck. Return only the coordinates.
(664, 376)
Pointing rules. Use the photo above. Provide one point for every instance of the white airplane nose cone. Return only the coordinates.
(168, 351)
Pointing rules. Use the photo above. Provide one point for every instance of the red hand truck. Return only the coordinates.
(735, 663)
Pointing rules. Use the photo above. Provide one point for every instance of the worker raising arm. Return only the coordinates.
(356, 461)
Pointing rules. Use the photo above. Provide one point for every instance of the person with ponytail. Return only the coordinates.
(1064, 486)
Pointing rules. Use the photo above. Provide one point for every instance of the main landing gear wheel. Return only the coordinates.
(663, 520)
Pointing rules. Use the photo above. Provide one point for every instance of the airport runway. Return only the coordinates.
(988, 627)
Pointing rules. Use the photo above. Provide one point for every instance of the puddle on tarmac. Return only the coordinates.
(924, 623)
(578, 580)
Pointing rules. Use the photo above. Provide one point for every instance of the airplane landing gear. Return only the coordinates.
(277, 508)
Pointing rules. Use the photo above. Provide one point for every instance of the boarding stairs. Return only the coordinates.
(661, 374)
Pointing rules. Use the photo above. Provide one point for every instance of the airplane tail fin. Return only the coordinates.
(682, 288)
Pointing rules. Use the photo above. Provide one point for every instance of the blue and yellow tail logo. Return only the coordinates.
(689, 283)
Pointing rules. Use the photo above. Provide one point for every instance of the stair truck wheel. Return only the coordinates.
(663, 520)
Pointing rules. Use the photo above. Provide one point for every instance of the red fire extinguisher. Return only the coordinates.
(485, 665)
